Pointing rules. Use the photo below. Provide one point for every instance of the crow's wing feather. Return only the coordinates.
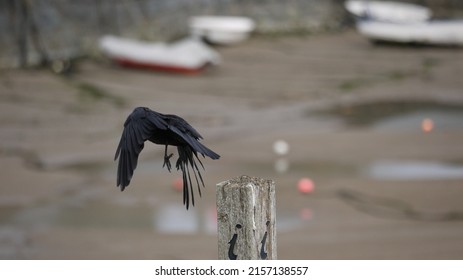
(139, 127)
(183, 126)
(192, 140)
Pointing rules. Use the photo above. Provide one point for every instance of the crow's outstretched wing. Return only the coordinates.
(140, 125)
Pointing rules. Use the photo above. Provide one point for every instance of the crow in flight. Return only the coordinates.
(144, 124)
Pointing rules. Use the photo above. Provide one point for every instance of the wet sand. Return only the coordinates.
(58, 198)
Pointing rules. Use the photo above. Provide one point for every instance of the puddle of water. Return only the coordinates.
(166, 218)
(175, 219)
(414, 170)
(398, 114)
(94, 214)
(414, 121)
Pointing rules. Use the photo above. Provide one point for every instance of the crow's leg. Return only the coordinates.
(167, 159)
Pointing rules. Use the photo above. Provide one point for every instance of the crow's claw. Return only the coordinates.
(167, 161)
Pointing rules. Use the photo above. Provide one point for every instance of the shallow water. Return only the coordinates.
(414, 170)
(407, 114)
(165, 218)
(441, 120)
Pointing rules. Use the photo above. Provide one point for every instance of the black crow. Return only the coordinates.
(144, 124)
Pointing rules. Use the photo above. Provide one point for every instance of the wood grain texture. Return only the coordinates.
(246, 219)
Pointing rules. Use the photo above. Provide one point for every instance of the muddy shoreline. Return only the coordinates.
(335, 98)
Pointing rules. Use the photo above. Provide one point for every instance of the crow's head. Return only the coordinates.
(138, 113)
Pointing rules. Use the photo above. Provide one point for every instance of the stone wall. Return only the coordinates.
(39, 31)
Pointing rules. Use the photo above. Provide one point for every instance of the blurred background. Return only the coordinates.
(363, 139)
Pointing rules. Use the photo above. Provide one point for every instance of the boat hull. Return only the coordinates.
(221, 30)
(441, 33)
(188, 56)
(388, 11)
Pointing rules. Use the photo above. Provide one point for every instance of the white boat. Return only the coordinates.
(221, 30)
(438, 32)
(189, 55)
(388, 11)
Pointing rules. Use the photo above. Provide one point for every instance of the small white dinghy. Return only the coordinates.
(439, 32)
(388, 21)
(221, 30)
(187, 56)
(388, 11)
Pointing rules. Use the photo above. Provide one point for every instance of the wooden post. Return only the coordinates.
(246, 219)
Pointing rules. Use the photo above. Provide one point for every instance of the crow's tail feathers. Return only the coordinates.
(187, 159)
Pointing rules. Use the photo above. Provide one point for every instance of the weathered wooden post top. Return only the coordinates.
(246, 219)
